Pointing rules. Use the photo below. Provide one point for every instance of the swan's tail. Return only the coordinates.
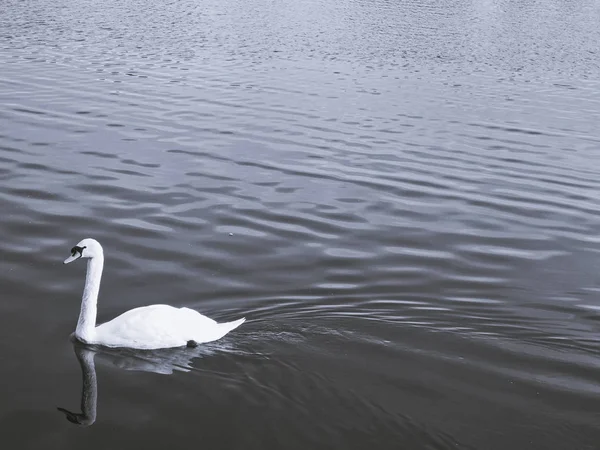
(231, 325)
(226, 327)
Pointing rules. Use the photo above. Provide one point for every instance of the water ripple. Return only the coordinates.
(400, 196)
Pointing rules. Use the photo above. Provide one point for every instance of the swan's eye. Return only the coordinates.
(77, 250)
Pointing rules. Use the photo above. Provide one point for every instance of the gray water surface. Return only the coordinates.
(400, 196)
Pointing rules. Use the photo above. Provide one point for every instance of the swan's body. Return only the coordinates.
(148, 327)
(161, 326)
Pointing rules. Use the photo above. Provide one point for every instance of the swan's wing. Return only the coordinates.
(156, 326)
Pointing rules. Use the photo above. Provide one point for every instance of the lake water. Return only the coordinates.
(401, 197)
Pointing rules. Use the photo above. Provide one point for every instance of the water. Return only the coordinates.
(400, 196)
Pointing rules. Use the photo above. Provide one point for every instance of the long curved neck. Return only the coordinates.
(86, 324)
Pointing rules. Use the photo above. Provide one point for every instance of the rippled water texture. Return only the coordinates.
(401, 197)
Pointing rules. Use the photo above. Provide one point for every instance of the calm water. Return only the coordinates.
(400, 195)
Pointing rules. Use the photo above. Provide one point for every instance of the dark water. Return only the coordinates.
(401, 196)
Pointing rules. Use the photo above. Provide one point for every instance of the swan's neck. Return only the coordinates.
(87, 317)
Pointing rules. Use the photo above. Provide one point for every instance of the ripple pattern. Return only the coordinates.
(406, 192)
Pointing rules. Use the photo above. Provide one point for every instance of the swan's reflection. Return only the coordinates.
(89, 390)
(158, 361)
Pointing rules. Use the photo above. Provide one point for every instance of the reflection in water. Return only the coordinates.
(89, 390)
(163, 361)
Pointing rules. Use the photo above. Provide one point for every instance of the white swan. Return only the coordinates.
(148, 327)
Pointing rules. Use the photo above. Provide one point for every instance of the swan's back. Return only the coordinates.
(161, 326)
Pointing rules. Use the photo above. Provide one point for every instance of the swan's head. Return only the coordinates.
(88, 248)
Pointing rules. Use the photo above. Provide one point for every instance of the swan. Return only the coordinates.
(145, 328)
